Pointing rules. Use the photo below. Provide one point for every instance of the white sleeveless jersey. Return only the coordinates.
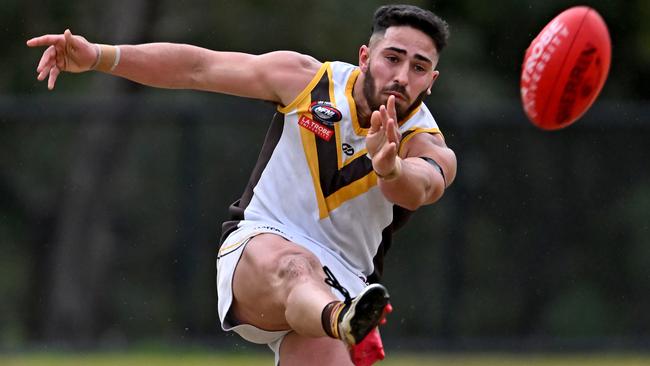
(314, 177)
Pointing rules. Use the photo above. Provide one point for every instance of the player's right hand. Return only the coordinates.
(65, 52)
(383, 138)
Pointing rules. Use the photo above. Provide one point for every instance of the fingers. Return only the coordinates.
(392, 131)
(47, 58)
(54, 73)
(384, 132)
(48, 61)
(68, 37)
(384, 113)
(391, 120)
(71, 45)
(388, 114)
(60, 57)
(389, 125)
(382, 123)
(390, 106)
(53, 59)
(375, 122)
(43, 74)
(46, 40)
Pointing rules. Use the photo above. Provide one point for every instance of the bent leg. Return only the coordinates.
(297, 350)
(279, 285)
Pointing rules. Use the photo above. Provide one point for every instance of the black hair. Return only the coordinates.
(397, 15)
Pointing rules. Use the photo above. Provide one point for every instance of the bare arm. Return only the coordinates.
(276, 76)
(419, 182)
(409, 181)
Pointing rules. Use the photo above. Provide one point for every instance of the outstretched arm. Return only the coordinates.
(276, 76)
(420, 175)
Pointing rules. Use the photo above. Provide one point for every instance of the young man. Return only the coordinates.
(350, 152)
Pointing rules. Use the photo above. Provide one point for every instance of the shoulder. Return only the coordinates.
(292, 59)
(288, 72)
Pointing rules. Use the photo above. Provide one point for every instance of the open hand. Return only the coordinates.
(65, 52)
(383, 138)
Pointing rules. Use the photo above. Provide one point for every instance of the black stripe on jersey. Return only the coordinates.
(331, 178)
(400, 217)
(236, 210)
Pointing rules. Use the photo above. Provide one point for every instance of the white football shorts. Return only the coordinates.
(228, 257)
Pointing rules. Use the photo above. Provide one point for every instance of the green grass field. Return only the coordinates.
(210, 359)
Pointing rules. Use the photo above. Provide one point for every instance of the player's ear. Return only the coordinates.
(436, 73)
(364, 58)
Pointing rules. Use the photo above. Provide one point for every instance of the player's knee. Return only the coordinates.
(297, 266)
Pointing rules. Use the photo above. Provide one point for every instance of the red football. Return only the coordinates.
(565, 67)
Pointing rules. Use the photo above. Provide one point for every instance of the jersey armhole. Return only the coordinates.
(305, 92)
(416, 131)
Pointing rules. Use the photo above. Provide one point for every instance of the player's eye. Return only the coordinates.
(392, 59)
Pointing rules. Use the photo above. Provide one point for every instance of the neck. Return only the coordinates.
(363, 110)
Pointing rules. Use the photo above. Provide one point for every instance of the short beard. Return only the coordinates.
(374, 102)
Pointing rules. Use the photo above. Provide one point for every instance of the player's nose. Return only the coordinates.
(401, 75)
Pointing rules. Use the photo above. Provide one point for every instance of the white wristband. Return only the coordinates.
(108, 57)
(118, 52)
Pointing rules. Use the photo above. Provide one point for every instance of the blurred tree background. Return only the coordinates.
(112, 194)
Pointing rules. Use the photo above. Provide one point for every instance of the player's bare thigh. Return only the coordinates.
(297, 350)
(260, 282)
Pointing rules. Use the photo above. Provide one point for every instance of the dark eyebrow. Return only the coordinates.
(403, 52)
(398, 50)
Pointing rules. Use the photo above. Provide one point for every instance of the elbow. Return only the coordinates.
(196, 76)
(431, 195)
(413, 202)
(411, 206)
(409, 202)
(412, 199)
(198, 69)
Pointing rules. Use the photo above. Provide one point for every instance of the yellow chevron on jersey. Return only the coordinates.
(330, 199)
(309, 145)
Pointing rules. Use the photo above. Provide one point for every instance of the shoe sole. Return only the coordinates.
(370, 308)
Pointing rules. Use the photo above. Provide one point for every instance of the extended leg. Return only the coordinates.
(278, 285)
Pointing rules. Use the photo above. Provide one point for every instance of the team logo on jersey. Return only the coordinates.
(347, 149)
(324, 112)
(317, 128)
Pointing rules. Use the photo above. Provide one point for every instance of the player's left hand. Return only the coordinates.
(65, 52)
(382, 141)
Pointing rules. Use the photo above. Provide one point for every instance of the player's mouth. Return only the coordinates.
(396, 94)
